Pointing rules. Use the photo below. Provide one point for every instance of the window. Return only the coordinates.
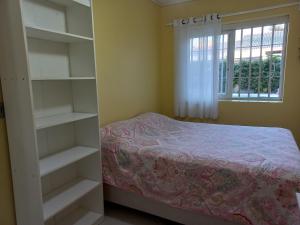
(252, 58)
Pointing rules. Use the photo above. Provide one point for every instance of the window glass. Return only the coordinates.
(257, 62)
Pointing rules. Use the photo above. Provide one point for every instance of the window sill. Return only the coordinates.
(251, 101)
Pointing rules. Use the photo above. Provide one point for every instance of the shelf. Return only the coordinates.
(86, 3)
(62, 78)
(64, 197)
(63, 159)
(51, 121)
(81, 217)
(51, 35)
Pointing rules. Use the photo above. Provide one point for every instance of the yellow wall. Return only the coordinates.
(7, 216)
(128, 57)
(286, 114)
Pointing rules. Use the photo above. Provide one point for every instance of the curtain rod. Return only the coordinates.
(255, 10)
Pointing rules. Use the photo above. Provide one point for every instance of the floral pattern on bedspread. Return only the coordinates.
(242, 174)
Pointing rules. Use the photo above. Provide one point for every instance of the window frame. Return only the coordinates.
(230, 30)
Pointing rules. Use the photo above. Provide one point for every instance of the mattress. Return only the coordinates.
(241, 174)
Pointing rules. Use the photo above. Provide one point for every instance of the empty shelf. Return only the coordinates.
(65, 158)
(81, 217)
(61, 78)
(51, 121)
(61, 199)
(51, 35)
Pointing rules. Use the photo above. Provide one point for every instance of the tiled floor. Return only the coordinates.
(118, 215)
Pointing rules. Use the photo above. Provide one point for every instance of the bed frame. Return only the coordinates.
(138, 202)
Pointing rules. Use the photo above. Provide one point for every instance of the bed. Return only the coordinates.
(209, 172)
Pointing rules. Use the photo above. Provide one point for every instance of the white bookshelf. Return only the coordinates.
(62, 159)
(50, 90)
(86, 3)
(60, 199)
(55, 120)
(82, 217)
(62, 78)
(52, 35)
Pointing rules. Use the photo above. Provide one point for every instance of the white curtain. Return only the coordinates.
(197, 66)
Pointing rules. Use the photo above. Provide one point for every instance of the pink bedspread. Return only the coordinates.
(243, 174)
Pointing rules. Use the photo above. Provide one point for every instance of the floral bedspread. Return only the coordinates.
(247, 175)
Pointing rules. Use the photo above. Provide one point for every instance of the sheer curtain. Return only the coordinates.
(197, 66)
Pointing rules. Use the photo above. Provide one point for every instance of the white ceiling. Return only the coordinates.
(169, 2)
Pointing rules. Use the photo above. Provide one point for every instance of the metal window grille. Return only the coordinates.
(252, 61)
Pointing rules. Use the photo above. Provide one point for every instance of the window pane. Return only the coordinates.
(256, 39)
(195, 43)
(258, 61)
(209, 45)
(256, 52)
(235, 88)
(246, 38)
(267, 35)
(253, 88)
(278, 34)
(223, 48)
(245, 68)
(277, 59)
(236, 68)
(245, 53)
(264, 84)
(222, 76)
(244, 88)
(266, 67)
(238, 39)
(255, 65)
(275, 84)
(224, 85)
(195, 49)
(237, 53)
(277, 49)
(266, 51)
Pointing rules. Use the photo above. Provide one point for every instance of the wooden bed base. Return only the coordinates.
(132, 200)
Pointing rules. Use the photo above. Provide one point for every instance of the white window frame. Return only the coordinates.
(230, 30)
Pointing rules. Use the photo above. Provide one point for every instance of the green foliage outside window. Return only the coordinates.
(243, 68)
